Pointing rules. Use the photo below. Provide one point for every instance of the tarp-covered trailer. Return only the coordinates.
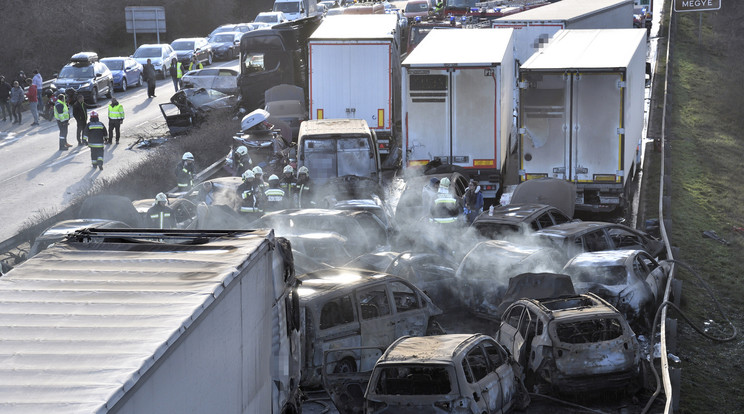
(581, 113)
(135, 321)
(534, 28)
(458, 102)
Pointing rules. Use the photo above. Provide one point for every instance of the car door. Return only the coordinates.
(508, 334)
(100, 78)
(655, 274)
(502, 384)
(410, 315)
(130, 71)
(480, 381)
(376, 317)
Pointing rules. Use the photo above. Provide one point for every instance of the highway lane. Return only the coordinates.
(37, 179)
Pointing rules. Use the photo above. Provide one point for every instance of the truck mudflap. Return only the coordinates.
(346, 388)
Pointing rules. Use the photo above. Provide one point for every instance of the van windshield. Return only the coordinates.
(414, 380)
(336, 157)
(287, 6)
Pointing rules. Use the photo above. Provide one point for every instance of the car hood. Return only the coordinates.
(202, 98)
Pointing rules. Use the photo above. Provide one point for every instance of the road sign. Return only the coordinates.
(145, 19)
(696, 5)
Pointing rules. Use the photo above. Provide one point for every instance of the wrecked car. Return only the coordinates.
(223, 80)
(343, 307)
(517, 218)
(459, 373)
(536, 286)
(184, 211)
(571, 344)
(267, 146)
(190, 107)
(483, 275)
(555, 192)
(631, 280)
(430, 272)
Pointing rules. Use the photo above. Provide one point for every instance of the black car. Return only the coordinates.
(86, 76)
(225, 45)
(194, 46)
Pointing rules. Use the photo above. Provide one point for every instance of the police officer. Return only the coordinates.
(116, 118)
(250, 196)
(62, 115)
(304, 189)
(94, 135)
(275, 197)
(161, 216)
(185, 172)
(446, 208)
(288, 183)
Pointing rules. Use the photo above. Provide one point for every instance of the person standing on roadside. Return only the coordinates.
(39, 82)
(16, 100)
(4, 96)
(33, 102)
(94, 136)
(195, 64)
(116, 118)
(176, 71)
(149, 71)
(62, 115)
(81, 117)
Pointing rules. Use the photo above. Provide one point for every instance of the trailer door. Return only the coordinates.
(427, 117)
(544, 146)
(597, 121)
(474, 141)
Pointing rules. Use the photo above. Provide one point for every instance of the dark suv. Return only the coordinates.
(86, 76)
(195, 46)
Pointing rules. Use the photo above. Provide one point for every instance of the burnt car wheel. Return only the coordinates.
(345, 366)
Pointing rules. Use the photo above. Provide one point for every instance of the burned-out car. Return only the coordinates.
(517, 219)
(571, 344)
(343, 308)
(631, 280)
(457, 373)
(190, 107)
(483, 275)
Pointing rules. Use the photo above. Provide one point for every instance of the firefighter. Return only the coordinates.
(62, 115)
(275, 197)
(94, 135)
(161, 216)
(446, 208)
(304, 189)
(263, 185)
(288, 183)
(241, 160)
(116, 118)
(250, 196)
(185, 172)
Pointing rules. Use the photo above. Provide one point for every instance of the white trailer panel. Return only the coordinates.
(581, 106)
(535, 27)
(458, 102)
(139, 327)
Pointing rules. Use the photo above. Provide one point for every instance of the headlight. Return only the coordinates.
(85, 85)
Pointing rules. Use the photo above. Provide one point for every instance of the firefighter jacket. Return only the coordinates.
(161, 217)
(446, 208)
(185, 175)
(305, 194)
(275, 199)
(251, 198)
(95, 133)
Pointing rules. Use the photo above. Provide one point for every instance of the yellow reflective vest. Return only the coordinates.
(64, 115)
(116, 112)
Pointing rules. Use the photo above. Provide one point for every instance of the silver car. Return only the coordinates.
(224, 80)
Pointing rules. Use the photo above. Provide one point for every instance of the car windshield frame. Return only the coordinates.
(183, 45)
(113, 64)
(76, 72)
(147, 52)
(230, 38)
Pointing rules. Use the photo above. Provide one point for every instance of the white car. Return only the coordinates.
(161, 56)
(224, 80)
(271, 18)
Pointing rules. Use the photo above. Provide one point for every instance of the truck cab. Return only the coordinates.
(332, 148)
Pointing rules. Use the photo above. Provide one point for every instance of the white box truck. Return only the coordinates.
(296, 9)
(139, 321)
(533, 28)
(354, 72)
(458, 103)
(581, 107)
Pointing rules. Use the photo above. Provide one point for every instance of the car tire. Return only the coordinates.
(140, 80)
(110, 91)
(94, 96)
(124, 84)
(231, 56)
(209, 59)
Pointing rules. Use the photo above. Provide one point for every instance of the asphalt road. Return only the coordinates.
(37, 179)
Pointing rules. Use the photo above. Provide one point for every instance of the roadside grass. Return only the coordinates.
(707, 194)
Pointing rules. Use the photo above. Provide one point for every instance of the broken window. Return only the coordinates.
(513, 317)
(405, 298)
(496, 355)
(624, 239)
(478, 364)
(589, 330)
(596, 241)
(374, 302)
(542, 222)
(337, 312)
(414, 380)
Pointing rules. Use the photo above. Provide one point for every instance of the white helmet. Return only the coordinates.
(303, 170)
(257, 170)
(188, 156)
(242, 150)
(248, 174)
(161, 198)
(288, 169)
(273, 178)
(445, 182)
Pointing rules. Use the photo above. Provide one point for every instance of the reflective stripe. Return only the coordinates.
(445, 220)
(95, 145)
(445, 201)
(65, 115)
(162, 215)
(179, 70)
(116, 112)
(275, 192)
(250, 210)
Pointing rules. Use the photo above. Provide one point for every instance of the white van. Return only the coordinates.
(296, 9)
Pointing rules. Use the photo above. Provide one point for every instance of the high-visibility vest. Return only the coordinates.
(116, 112)
(159, 218)
(64, 115)
(179, 70)
(198, 66)
(447, 201)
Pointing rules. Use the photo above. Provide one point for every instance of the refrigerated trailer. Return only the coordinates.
(458, 103)
(534, 28)
(581, 113)
(354, 72)
(142, 321)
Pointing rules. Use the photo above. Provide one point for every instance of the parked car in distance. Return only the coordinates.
(186, 48)
(238, 27)
(271, 18)
(225, 45)
(125, 70)
(223, 79)
(161, 55)
(592, 236)
(86, 76)
(351, 308)
(445, 373)
(517, 219)
(571, 344)
(631, 280)
(417, 8)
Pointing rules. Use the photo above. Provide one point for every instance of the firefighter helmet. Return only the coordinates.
(303, 170)
(242, 150)
(248, 174)
(161, 197)
(288, 169)
(187, 156)
(257, 170)
(273, 178)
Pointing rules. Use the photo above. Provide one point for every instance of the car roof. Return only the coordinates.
(321, 283)
(427, 349)
(116, 58)
(604, 258)
(566, 307)
(574, 227)
(513, 213)
(187, 39)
